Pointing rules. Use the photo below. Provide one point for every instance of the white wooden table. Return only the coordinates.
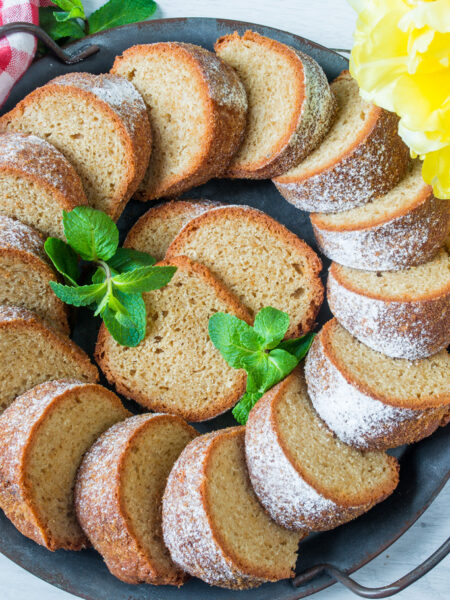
(328, 22)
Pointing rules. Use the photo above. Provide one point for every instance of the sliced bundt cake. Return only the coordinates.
(25, 273)
(100, 124)
(371, 400)
(290, 104)
(404, 314)
(362, 157)
(213, 524)
(43, 436)
(197, 109)
(303, 475)
(158, 227)
(33, 352)
(403, 228)
(176, 368)
(259, 260)
(119, 491)
(37, 183)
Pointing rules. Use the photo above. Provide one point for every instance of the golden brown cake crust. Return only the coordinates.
(39, 162)
(188, 527)
(305, 131)
(166, 211)
(407, 237)
(19, 426)
(19, 241)
(100, 505)
(372, 425)
(280, 232)
(377, 150)
(13, 317)
(101, 351)
(128, 116)
(412, 326)
(424, 402)
(292, 497)
(226, 119)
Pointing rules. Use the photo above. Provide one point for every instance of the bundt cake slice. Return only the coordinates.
(157, 228)
(404, 314)
(197, 109)
(25, 273)
(176, 368)
(213, 524)
(37, 183)
(43, 436)
(362, 157)
(33, 352)
(119, 491)
(259, 260)
(372, 401)
(100, 124)
(303, 475)
(290, 104)
(403, 228)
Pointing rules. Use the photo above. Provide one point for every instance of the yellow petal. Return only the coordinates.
(434, 14)
(436, 171)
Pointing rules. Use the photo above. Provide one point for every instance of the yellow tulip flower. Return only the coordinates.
(401, 61)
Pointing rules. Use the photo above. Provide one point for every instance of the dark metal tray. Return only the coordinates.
(425, 467)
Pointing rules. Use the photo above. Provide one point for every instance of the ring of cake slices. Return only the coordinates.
(159, 501)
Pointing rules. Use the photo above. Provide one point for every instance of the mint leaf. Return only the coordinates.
(236, 341)
(267, 369)
(245, 405)
(259, 350)
(91, 233)
(271, 324)
(274, 368)
(63, 258)
(143, 279)
(120, 12)
(127, 259)
(299, 346)
(281, 364)
(82, 295)
(56, 30)
(129, 329)
(73, 8)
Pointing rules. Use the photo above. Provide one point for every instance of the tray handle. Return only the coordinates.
(380, 592)
(65, 57)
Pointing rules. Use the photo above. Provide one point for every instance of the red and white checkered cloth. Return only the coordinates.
(17, 50)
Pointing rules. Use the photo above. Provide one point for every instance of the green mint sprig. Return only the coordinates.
(68, 19)
(260, 350)
(121, 276)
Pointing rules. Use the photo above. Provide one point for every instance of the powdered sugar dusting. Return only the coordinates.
(318, 108)
(36, 157)
(356, 175)
(400, 242)
(17, 423)
(17, 235)
(119, 93)
(96, 485)
(409, 329)
(224, 86)
(98, 500)
(357, 419)
(186, 526)
(281, 490)
(15, 313)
